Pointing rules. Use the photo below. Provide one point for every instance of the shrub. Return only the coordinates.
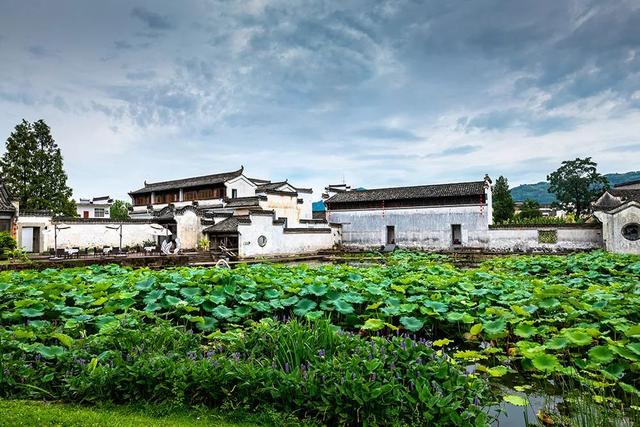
(7, 243)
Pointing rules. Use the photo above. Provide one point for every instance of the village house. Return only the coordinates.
(8, 211)
(618, 209)
(440, 216)
(252, 216)
(97, 207)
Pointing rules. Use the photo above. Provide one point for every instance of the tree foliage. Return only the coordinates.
(32, 170)
(576, 184)
(530, 209)
(120, 210)
(503, 206)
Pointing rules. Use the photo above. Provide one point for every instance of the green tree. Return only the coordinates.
(576, 184)
(530, 209)
(33, 172)
(503, 207)
(120, 210)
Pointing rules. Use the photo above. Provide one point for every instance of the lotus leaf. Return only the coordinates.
(515, 400)
(600, 354)
(411, 323)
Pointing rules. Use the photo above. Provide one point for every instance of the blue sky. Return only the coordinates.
(376, 93)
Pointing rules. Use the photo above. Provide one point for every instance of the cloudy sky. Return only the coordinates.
(377, 93)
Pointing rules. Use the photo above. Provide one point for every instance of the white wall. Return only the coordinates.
(88, 235)
(281, 242)
(420, 228)
(243, 185)
(306, 209)
(91, 209)
(524, 239)
(189, 229)
(284, 206)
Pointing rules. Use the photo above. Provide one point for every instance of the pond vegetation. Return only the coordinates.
(413, 341)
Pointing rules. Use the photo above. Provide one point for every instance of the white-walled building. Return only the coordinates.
(98, 207)
(618, 209)
(437, 216)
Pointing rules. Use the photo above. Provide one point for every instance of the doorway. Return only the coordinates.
(456, 234)
(391, 235)
(30, 238)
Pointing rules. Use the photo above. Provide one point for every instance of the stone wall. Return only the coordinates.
(284, 241)
(528, 238)
(418, 228)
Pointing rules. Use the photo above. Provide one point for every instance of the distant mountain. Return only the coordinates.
(539, 192)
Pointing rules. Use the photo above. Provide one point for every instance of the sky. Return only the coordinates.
(371, 93)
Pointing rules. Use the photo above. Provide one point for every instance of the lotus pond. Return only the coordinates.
(413, 341)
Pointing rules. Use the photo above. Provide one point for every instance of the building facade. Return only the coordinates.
(98, 207)
(618, 209)
(441, 216)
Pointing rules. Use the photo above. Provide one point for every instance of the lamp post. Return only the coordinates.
(119, 227)
(57, 227)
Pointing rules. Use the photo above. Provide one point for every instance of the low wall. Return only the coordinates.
(281, 240)
(541, 238)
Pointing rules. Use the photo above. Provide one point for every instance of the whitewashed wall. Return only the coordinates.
(612, 226)
(521, 239)
(243, 185)
(280, 241)
(419, 228)
(306, 208)
(88, 235)
(189, 229)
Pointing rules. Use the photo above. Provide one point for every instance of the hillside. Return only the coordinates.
(539, 192)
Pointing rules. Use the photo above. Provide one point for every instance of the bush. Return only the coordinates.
(312, 371)
(7, 243)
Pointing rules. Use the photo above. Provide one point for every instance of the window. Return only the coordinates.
(391, 235)
(5, 225)
(159, 198)
(456, 234)
(547, 236)
(631, 231)
(142, 200)
(234, 193)
(190, 195)
(98, 213)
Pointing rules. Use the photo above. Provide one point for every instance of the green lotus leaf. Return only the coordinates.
(633, 331)
(172, 301)
(146, 283)
(600, 354)
(497, 371)
(515, 400)
(495, 327)
(343, 307)
(549, 303)
(436, 306)
(614, 370)
(30, 312)
(51, 352)
(373, 325)
(207, 324)
(222, 312)
(455, 316)
(635, 347)
(66, 340)
(189, 293)
(304, 306)
(545, 362)
(557, 343)
(153, 296)
(242, 311)
(217, 298)
(411, 323)
(271, 293)
(469, 355)
(314, 315)
(353, 298)
(153, 306)
(316, 289)
(247, 296)
(525, 330)
(72, 311)
(262, 306)
(578, 338)
(628, 388)
(289, 301)
(476, 329)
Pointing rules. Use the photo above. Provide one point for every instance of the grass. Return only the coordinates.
(38, 413)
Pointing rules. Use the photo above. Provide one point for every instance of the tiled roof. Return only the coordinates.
(244, 202)
(196, 181)
(271, 185)
(417, 192)
(229, 225)
(5, 200)
(615, 197)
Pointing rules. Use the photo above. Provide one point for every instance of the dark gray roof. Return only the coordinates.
(624, 184)
(271, 185)
(5, 200)
(610, 199)
(229, 225)
(241, 202)
(417, 192)
(196, 181)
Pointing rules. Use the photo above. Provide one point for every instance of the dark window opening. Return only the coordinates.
(456, 234)
(391, 235)
(631, 231)
(234, 193)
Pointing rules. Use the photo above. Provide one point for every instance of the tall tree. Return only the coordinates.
(503, 207)
(576, 184)
(120, 210)
(33, 172)
(530, 209)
